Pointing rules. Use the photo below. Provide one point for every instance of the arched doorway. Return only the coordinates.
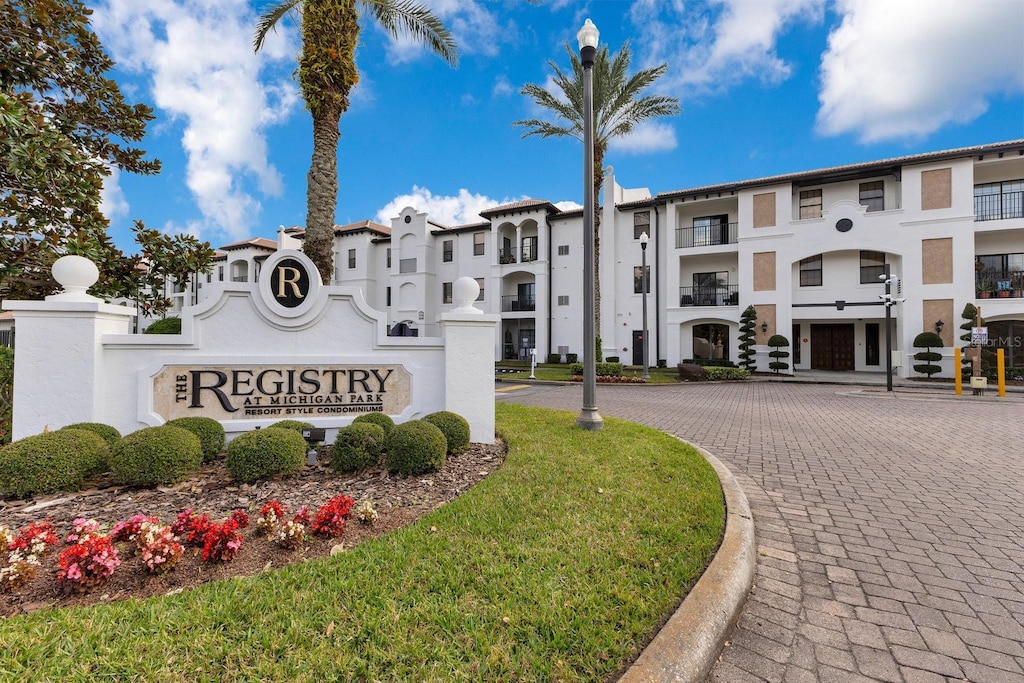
(711, 341)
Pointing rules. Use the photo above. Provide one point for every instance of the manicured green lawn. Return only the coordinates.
(560, 373)
(559, 566)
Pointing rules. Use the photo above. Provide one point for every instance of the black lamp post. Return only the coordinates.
(644, 239)
(588, 418)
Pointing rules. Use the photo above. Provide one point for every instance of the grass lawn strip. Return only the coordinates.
(559, 566)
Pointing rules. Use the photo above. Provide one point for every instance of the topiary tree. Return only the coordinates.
(777, 342)
(927, 340)
(357, 446)
(210, 432)
(746, 355)
(156, 455)
(415, 447)
(264, 452)
(380, 419)
(454, 427)
(969, 317)
(109, 434)
(50, 462)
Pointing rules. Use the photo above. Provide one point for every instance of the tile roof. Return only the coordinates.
(258, 242)
(519, 206)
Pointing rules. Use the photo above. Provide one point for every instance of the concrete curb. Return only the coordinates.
(688, 646)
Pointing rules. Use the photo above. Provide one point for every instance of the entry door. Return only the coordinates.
(638, 347)
(832, 347)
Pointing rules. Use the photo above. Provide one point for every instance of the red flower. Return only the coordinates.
(330, 518)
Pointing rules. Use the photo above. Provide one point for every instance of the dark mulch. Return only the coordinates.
(399, 501)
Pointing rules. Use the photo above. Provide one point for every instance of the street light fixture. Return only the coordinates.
(588, 418)
(644, 239)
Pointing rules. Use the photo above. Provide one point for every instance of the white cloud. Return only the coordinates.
(113, 204)
(568, 206)
(204, 74)
(648, 137)
(502, 88)
(905, 69)
(476, 30)
(447, 210)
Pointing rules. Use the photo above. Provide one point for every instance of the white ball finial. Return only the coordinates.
(76, 274)
(465, 291)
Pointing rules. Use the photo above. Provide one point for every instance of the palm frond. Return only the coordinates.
(269, 19)
(408, 16)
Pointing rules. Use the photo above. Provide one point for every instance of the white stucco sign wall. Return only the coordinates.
(248, 355)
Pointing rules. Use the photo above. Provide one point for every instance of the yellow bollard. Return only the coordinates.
(1001, 371)
(958, 370)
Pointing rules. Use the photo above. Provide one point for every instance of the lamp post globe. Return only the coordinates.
(588, 418)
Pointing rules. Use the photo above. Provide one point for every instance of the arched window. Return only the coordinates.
(711, 341)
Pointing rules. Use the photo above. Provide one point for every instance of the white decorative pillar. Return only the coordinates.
(58, 365)
(469, 361)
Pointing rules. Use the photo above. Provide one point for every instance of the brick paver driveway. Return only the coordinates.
(890, 528)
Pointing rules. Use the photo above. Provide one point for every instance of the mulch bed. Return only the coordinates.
(398, 501)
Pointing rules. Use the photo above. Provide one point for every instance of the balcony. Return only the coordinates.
(516, 303)
(991, 284)
(525, 255)
(994, 206)
(720, 295)
(706, 235)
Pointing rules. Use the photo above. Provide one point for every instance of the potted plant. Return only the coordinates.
(985, 288)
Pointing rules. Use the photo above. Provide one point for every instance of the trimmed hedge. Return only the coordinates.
(6, 392)
(357, 446)
(454, 427)
(109, 434)
(50, 462)
(600, 369)
(297, 425)
(156, 455)
(415, 447)
(210, 432)
(266, 452)
(171, 325)
(711, 362)
(716, 373)
(380, 419)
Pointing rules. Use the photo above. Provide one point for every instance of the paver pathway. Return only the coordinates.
(890, 528)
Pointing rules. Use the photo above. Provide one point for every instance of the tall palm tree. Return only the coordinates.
(327, 73)
(619, 106)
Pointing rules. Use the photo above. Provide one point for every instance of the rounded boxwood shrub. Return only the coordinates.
(171, 325)
(109, 434)
(50, 462)
(296, 425)
(265, 452)
(357, 446)
(156, 455)
(384, 421)
(454, 427)
(415, 447)
(209, 431)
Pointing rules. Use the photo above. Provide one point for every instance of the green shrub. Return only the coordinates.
(716, 373)
(171, 325)
(109, 434)
(778, 342)
(711, 362)
(380, 419)
(600, 369)
(92, 458)
(927, 340)
(297, 425)
(662, 363)
(50, 462)
(554, 358)
(454, 427)
(265, 452)
(6, 392)
(571, 357)
(357, 446)
(210, 433)
(156, 455)
(414, 447)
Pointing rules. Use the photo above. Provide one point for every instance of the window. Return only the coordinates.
(872, 264)
(810, 271)
(638, 279)
(387, 296)
(529, 249)
(220, 273)
(872, 195)
(563, 300)
(993, 201)
(563, 249)
(351, 259)
(810, 204)
(710, 230)
(447, 249)
(446, 292)
(478, 244)
(407, 265)
(641, 223)
(389, 257)
(480, 282)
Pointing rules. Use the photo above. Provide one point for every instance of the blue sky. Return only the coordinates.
(766, 87)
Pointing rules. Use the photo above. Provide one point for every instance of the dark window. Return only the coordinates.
(872, 195)
(810, 204)
(796, 344)
(407, 265)
(871, 346)
(994, 201)
(563, 249)
(447, 247)
(389, 257)
(388, 296)
(563, 300)
(709, 230)
(446, 292)
(638, 279)
(478, 244)
(480, 281)
(351, 258)
(810, 271)
(641, 224)
(872, 264)
(711, 341)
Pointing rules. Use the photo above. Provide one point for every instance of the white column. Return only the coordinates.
(469, 340)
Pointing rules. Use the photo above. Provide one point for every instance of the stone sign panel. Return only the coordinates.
(238, 392)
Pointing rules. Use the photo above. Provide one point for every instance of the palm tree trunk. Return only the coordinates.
(322, 192)
(599, 150)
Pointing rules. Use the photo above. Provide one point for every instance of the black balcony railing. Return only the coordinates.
(720, 295)
(515, 303)
(994, 207)
(525, 255)
(706, 235)
(993, 284)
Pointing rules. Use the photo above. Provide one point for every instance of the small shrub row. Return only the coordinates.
(718, 373)
(600, 369)
(710, 362)
(413, 447)
(51, 462)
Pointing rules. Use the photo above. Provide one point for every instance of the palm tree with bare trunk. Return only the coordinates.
(327, 73)
(619, 107)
